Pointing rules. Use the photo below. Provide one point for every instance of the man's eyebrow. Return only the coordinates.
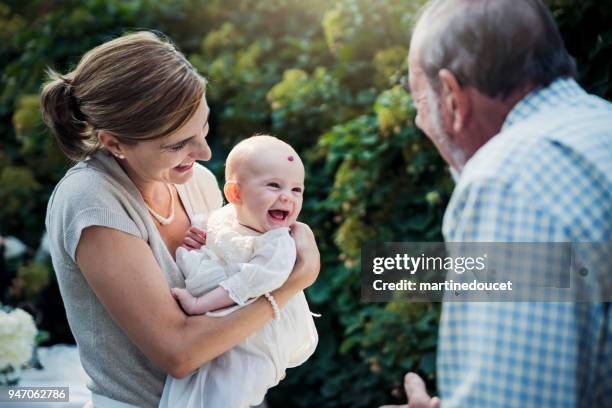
(187, 138)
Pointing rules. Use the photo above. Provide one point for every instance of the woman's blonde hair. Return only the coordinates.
(136, 87)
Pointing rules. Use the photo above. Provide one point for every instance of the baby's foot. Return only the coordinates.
(189, 303)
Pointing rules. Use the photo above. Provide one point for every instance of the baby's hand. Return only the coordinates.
(188, 302)
(195, 238)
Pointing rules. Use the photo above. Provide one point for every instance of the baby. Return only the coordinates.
(248, 253)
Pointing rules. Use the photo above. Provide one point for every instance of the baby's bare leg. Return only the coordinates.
(190, 304)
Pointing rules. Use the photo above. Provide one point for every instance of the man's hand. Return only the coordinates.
(417, 394)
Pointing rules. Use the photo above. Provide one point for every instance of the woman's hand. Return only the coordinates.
(307, 264)
(195, 239)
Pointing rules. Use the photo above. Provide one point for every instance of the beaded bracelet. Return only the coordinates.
(274, 305)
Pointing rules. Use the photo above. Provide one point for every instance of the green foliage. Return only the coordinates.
(18, 189)
(32, 278)
(389, 64)
(320, 74)
(586, 30)
(303, 105)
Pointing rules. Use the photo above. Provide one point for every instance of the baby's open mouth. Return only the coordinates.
(279, 215)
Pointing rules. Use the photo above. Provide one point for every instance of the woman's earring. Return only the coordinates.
(120, 156)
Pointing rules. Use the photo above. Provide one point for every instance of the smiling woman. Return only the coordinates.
(134, 116)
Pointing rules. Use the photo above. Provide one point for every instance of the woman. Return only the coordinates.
(134, 116)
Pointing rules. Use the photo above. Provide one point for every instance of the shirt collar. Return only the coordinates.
(560, 91)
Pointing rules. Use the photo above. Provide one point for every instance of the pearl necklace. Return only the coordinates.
(164, 220)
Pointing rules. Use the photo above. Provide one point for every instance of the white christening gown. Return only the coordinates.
(247, 264)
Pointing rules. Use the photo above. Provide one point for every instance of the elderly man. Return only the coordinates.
(494, 90)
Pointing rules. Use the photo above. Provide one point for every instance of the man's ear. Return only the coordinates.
(111, 143)
(455, 99)
(232, 192)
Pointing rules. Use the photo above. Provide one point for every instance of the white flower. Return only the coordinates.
(17, 333)
(13, 248)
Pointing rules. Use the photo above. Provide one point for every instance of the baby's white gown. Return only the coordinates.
(247, 264)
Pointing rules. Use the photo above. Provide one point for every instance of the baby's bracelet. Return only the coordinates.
(274, 305)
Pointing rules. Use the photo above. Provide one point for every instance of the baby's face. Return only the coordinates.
(271, 192)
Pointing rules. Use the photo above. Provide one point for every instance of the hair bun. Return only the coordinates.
(60, 111)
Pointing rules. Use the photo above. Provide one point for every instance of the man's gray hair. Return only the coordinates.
(495, 46)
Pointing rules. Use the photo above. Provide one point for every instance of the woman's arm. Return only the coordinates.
(134, 291)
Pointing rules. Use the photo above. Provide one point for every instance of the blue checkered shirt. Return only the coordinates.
(546, 177)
